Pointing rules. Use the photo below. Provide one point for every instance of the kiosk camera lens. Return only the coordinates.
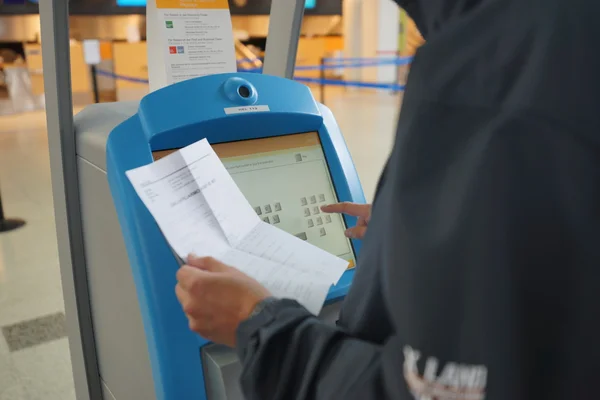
(244, 91)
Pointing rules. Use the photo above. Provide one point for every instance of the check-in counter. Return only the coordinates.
(312, 49)
(81, 78)
(131, 70)
(18, 85)
(80, 72)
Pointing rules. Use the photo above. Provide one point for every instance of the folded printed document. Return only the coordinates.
(201, 211)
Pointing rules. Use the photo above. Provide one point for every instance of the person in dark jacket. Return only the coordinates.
(479, 275)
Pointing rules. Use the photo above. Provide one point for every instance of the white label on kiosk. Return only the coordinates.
(197, 38)
(246, 109)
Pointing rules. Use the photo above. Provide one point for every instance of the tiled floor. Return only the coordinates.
(34, 354)
(36, 365)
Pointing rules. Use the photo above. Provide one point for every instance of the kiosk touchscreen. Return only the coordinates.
(286, 179)
(284, 151)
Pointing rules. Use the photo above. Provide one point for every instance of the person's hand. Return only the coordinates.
(216, 298)
(362, 211)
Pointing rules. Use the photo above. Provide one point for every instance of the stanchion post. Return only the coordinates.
(8, 224)
(95, 84)
(398, 71)
(1, 209)
(322, 80)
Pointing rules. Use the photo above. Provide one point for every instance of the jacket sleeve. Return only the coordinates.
(288, 354)
(501, 278)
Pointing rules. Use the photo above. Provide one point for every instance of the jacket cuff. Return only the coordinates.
(247, 334)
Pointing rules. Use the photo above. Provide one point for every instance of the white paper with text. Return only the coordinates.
(200, 210)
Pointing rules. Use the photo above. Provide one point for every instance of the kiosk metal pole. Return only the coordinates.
(285, 23)
(322, 83)
(54, 18)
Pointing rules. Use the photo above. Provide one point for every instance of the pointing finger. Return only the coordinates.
(353, 209)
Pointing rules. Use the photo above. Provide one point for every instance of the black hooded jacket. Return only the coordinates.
(479, 277)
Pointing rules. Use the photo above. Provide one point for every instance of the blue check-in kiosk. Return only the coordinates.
(286, 153)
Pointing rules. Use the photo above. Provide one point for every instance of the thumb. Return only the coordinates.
(206, 263)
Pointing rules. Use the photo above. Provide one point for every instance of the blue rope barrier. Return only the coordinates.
(338, 66)
(332, 67)
(248, 60)
(348, 62)
(326, 67)
(402, 60)
(121, 77)
(362, 62)
(259, 69)
(343, 60)
(333, 82)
